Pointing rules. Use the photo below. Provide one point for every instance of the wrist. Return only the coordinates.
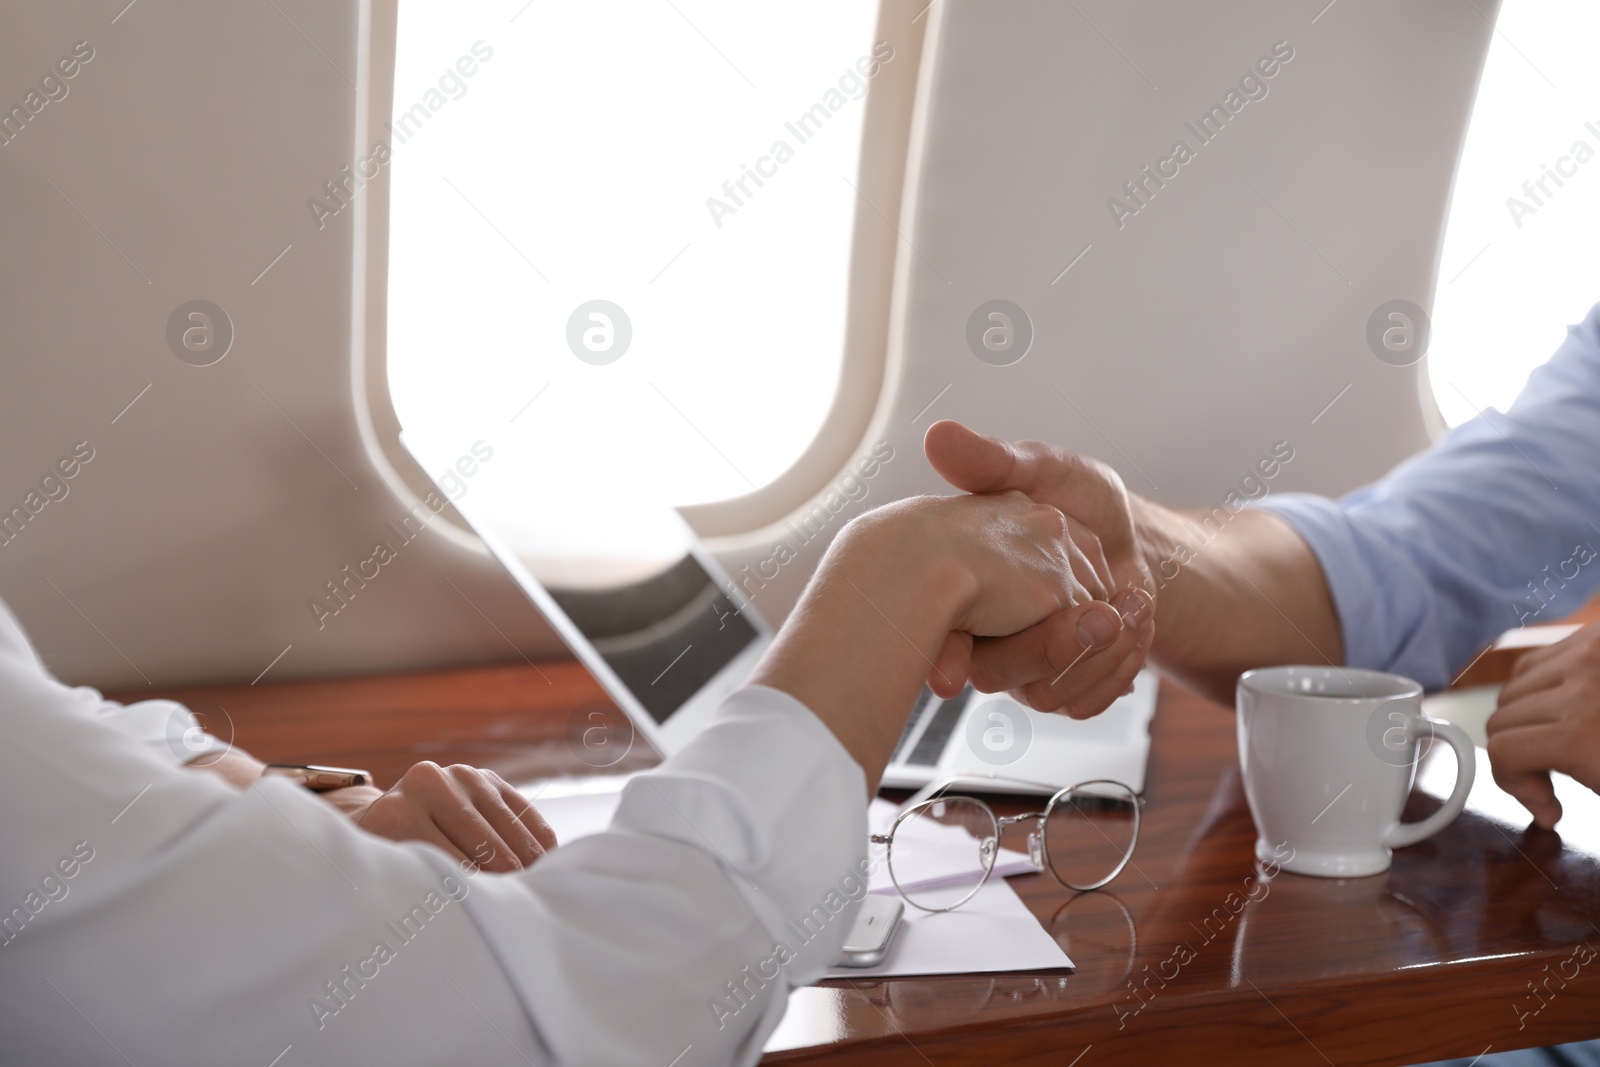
(352, 801)
(863, 638)
(895, 557)
(1152, 536)
(1160, 541)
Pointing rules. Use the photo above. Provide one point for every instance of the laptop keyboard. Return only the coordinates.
(931, 745)
(917, 711)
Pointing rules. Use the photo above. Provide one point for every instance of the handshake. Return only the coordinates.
(1040, 583)
(1032, 583)
(1063, 610)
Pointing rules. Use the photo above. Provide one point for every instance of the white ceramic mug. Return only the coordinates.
(1328, 756)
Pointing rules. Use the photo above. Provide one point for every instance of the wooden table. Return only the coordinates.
(1435, 958)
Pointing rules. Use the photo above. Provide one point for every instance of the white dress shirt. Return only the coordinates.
(152, 914)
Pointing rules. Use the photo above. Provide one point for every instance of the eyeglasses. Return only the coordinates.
(942, 850)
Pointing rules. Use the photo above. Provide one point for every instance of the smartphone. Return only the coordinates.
(318, 779)
(868, 942)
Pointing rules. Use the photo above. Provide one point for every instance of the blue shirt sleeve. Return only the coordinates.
(1491, 528)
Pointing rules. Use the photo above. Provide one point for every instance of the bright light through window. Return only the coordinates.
(672, 177)
(1519, 261)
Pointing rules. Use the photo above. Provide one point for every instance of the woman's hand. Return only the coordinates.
(472, 814)
(985, 565)
(1077, 662)
(894, 587)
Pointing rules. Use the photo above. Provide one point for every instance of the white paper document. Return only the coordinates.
(575, 815)
(993, 932)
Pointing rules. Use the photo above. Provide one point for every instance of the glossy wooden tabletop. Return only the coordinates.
(1483, 937)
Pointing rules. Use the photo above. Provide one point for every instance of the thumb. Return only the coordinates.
(951, 666)
(1080, 487)
(968, 460)
(1538, 795)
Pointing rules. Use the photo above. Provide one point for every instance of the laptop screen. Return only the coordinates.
(666, 636)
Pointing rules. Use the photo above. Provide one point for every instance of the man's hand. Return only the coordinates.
(1548, 719)
(1078, 662)
(472, 814)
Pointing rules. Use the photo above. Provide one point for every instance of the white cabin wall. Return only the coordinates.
(189, 547)
(1187, 344)
(1193, 339)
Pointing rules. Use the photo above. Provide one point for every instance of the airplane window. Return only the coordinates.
(1518, 264)
(619, 237)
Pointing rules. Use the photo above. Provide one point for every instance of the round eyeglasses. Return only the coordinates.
(941, 850)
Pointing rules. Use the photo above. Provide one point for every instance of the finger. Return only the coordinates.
(1581, 648)
(1068, 643)
(1089, 543)
(473, 835)
(1089, 687)
(400, 814)
(951, 666)
(1539, 708)
(1545, 668)
(1081, 488)
(431, 834)
(524, 810)
(1136, 606)
(1060, 643)
(1521, 761)
(450, 809)
(1084, 571)
(486, 797)
(1102, 694)
(1045, 649)
(968, 460)
(1536, 793)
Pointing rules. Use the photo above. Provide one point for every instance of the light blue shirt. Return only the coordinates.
(1497, 525)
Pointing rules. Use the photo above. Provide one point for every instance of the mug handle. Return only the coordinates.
(1409, 833)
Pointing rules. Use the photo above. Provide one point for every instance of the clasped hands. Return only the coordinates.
(1081, 657)
(1548, 714)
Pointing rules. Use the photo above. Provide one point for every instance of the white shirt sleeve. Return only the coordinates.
(166, 727)
(154, 914)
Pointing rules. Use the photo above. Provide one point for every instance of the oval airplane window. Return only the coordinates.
(619, 239)
(1518, 264)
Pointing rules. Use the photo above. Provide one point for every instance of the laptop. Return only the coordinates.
(981, 741)
(669, 649)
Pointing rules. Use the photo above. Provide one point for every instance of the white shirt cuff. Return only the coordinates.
(167, 728)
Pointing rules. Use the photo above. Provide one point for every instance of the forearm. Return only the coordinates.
(858, 647)
(1245, 594)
